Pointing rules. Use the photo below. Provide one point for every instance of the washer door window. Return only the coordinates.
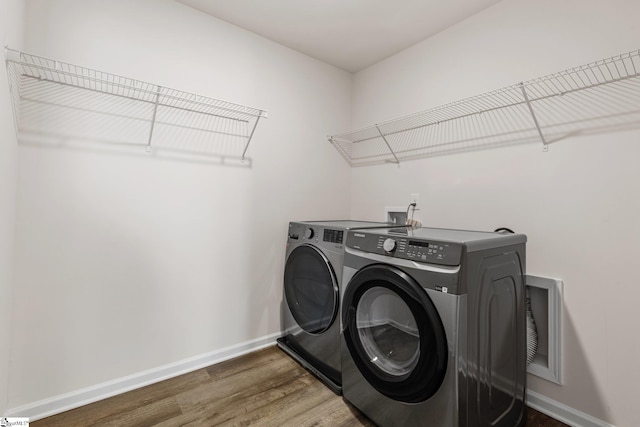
(311, 289)
(394, 334)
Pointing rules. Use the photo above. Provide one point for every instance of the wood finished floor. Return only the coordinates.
(264, 388)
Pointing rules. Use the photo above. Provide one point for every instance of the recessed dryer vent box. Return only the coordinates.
(546, 306)
(396, 215)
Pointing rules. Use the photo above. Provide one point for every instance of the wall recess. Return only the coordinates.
(546, 304)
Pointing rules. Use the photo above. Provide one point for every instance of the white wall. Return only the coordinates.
(123, 262)
(578, 203)
(128, 262)
(11, 29)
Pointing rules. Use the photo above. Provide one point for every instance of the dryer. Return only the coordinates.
(312, 289)
(433, 327)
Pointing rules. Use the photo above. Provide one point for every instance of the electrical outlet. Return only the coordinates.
(414, 198)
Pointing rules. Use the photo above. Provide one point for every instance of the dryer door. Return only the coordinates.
(311, 289)
(394, 333)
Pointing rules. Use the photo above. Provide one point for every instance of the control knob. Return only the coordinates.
(308, 233)
(389, 245)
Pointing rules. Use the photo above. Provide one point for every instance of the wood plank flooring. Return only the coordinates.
(264, 388)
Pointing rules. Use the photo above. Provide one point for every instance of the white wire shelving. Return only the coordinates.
(58, 101)
(597, 97)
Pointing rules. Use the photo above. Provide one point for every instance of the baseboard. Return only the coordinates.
(562, 412)
(64, 402)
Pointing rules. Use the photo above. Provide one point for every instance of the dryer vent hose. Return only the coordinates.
(532, 332)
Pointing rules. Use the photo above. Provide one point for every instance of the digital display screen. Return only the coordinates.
(417, 243)
(333, 236)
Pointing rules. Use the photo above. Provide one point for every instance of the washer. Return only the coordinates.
(433, 327)
(311, 303)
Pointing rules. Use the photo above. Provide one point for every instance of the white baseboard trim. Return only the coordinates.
(562, 412)
(64, 402)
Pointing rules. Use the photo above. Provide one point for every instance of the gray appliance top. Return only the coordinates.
(430, 245)
(464, 237)
(348, 224)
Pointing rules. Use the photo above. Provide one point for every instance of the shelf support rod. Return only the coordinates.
(255, 125)
(535, 119)
(388, 146)
(153, 119)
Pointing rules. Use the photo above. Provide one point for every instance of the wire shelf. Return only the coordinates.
(596, 97)
(64, 101)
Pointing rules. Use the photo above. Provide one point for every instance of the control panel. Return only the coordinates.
(427, 250)
(315, 234)
(433, 252)
(333, 236)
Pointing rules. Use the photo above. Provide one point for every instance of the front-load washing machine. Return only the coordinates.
(433, 327)
(311, 304)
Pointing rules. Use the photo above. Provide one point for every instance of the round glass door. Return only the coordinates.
(394, 334)
(387, 331)
(311, 290)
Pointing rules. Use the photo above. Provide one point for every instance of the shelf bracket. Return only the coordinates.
(255, 125)
(535, 119)
(388, 146)
(153, 119)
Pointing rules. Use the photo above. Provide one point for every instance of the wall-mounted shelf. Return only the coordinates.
(596, 97)
(59, 101)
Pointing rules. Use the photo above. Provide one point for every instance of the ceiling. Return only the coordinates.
(350, 34)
